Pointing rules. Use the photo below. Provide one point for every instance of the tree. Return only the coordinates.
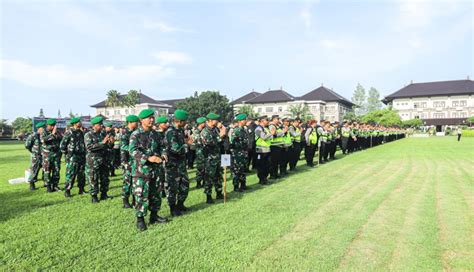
(113, 99)
(132, 98)
(471, 120)
(41, 114)
(22, 125)
(5, 128)
(386, 117)
(412, 123)
(247, 109)
(358, 98)
(208, 101)
(301, 111)
(350, 116)
(373, 100)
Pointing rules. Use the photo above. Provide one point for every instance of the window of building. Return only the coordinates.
(462, 103)
(438, 115)
(269, 109)
(314, 108)
(454, 115)
(280, 109)
(423, 105)
(455, 103)
(126, 111)
(463, 114)
(416, 105)
(106, 112)
(439, 104)
(259, 110)
(133, 111)
(116, 112)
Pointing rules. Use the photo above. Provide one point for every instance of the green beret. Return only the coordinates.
(108, 124)
(97, 120)
(161, 120)
(241, 117)
(201, 120)
(131, 118)
(146, 113)
(51, 122)
(74, 120)
(213, 116)
(180, 115)
(40, 124)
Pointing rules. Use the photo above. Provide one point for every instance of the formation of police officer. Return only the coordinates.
(154, 154)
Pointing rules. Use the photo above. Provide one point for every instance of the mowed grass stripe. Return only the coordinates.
(455, 219)
(301, 238)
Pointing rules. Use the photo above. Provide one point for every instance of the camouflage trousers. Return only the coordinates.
(75, 170)
(109, 158)
(127, 180)
(34, 167)
(51, 168)
(177, 181)
(212, 175)
(200, 166)
(239, 166)
(97, 175)
(146, 194)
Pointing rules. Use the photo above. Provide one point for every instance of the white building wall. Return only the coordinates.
(119, 113)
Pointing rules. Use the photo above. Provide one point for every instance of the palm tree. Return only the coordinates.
(113, 99)
(132, 98)
(300, 111)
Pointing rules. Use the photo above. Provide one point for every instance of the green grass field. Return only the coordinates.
(405, 206)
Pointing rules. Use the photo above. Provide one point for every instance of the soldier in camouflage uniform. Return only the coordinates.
(145, 152)
(73, 147)
(109, 157)
(239, 153)
(200, 158)
(132, 124)
(96, 164)
(211, 139)
(50, 153)
(162, 127)
(177, 181)
(33, 144)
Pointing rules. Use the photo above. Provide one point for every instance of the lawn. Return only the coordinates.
(406, 205)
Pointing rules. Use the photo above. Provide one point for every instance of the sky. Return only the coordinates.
(65, 55)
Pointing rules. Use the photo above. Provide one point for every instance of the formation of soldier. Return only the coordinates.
(154, 154)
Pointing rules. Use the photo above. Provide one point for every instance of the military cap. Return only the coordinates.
(108, 124)
(201, 120)
(161, 120)
(181, 115)
(40, 124)
(51, 122)
(212, 116)
(131, 119)
(275, 116)
(262, 117)
(241, 117)
(146, 113)
(97, 120)
(74, 120)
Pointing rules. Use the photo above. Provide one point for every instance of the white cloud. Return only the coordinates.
(306, 13)
(63, 77)
(162, 26)
(172, 57)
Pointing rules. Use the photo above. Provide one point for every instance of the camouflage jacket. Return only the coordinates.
(73, 143)
(33, 143)
(124, 146)
(240, 139)
(211, 141)
(50, 142)
(142, 145)
(174, 145)
(198, 142)
(94, 145)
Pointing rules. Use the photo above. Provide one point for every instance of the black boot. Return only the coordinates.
(103, 196)
(95, 199)
(32, 186)
(155, 218)
(198, 184)
(81, 190)
(219, 195)
(126, 204)
(174, 210)
(209, 200)
(181, 206)
(236, 189)
(141, 226)
(67, 193)
(243, 186)
(49, 189)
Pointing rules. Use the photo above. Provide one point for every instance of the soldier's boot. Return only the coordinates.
(81, 190)
(95, 199)
(67, 193)
(198, 184)
(155, 218)
(236, 188)
(209, 200)
(32, 186)
(181, 206)
(126, 204)
(243, 185)
(103, 196)
(112, 173)
(219, 195)
(141, 226)
(49, 188)
(174, 210)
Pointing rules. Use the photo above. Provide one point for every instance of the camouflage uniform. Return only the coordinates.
(159, 137)
(211, 144)
(33, 144)
(177, 181)
(73, 147)
(96, 163)
(126, 163)
(50, 158)
(200, 158)
(109, 153)
(239, 152)
(145, 185)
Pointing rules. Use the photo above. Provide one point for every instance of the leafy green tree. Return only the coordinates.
(247, 109)
(471, 120)
(131, 99)
(359, 98)
(22, 125)
(386, 117)
(373, 100)
(208, 101)
(113, 99)
(350, 116)
(301, 111)
(413, 123)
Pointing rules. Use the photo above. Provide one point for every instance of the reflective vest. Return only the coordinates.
(297, 137)
(262, 145)
(276, 141)
(287, 139)
(313, 137)
(346, 132)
